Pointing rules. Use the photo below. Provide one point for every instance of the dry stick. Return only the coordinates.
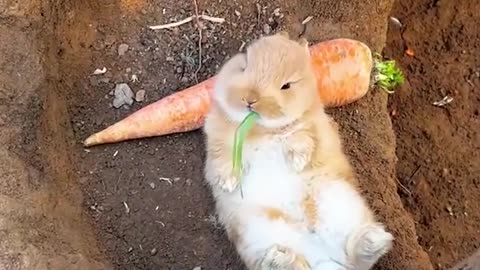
(174, 24)
(186, 20)
(304, 23)
(195, 17)
(199, 27)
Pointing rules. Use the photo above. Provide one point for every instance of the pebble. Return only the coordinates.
(109, 40)
(184, 80)
(93, 81)
(104, 80)
(276, 12)
(267, 29)
(153, 251)
(450, 210)
(99, 46)
(123, 95)
(197, 268)
(140, 96)
(122, 49)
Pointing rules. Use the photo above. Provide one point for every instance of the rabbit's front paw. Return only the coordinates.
(228, 182)
(299, 153)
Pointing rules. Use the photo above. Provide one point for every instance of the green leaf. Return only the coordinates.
(240, 135)
(388, 75)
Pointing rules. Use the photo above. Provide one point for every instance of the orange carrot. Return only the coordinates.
(180, 112)
(343, 68)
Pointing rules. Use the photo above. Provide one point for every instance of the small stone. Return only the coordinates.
(93, 81)
(128, 70)
(188, 182)
(152, 185)
(122, 49)
(197, 268)
(153, 251)
(140, 96)
(184, 80)
(237, 13)
(99, 120)
(179, 70)
(450, 210)
(104, 80)
(130, 249)
(109, 40)
(99, 46)
(267, 29)
(123, 95)
(169, 59)
(176, 31)
(276, 12)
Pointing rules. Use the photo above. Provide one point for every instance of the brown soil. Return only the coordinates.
(142, 204)
(438, 147)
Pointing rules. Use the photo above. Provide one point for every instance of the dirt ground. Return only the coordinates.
(144, 203)
(438, 147)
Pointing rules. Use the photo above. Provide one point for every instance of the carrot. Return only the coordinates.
(342, 66)
(180, 112)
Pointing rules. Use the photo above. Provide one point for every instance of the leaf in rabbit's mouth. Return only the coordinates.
(240, 135)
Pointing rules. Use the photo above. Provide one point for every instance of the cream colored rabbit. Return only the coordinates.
(297, 206)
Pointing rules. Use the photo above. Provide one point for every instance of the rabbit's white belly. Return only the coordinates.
(269, 181)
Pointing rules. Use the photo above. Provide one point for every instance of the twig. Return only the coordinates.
(212, 19)
(199, 41)
(259, 12)
(174, 24)
(404, 188)
(414, 173)
(304, 24)
(127, 209)
(446, 100)
(196, 18)
(186, 20)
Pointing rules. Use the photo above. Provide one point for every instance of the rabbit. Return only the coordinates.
(296, 205)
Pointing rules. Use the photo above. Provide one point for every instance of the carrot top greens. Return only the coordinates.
(240, 135)
(388, 75)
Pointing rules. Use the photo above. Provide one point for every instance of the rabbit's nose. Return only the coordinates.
(250, 102)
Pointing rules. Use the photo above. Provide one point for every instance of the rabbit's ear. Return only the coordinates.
(303, 41)
(284, 34)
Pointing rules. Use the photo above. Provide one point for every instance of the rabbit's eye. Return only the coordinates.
(286, 86)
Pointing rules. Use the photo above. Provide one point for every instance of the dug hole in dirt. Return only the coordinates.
(142, 204)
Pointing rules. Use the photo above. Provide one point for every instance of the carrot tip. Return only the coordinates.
(90, 141)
